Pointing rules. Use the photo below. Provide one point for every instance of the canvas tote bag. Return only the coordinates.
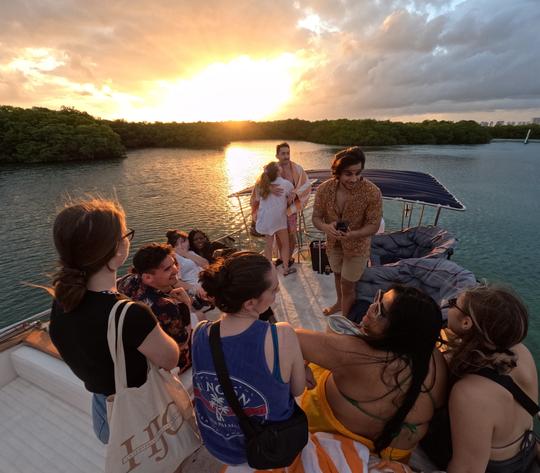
(152, 427)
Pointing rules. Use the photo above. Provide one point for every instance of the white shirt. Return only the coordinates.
(189, 270)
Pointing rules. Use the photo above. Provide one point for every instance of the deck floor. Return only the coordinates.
(302, 297)
(42, 434)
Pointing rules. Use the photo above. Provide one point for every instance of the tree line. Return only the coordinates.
(43, 135)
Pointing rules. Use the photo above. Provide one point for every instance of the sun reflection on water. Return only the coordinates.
(243, 165)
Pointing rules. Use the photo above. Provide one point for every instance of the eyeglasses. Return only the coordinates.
(129, 235)
(378, 300)
(452, 302)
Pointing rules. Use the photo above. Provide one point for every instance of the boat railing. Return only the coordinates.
(34, 321)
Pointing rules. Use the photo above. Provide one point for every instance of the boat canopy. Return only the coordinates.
(406, 186)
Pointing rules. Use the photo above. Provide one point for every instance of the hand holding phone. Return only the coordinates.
(342, 226)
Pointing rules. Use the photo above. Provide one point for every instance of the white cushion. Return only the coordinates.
(55, 377)
(51, 375)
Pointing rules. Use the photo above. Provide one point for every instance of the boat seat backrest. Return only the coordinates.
(51, 375)
(55, 377)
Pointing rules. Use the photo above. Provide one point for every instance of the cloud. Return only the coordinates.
(366, 58)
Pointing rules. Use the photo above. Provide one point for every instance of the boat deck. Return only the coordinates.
(41, 433)
(302, 297)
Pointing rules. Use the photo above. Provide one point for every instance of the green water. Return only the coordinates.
(164, 188)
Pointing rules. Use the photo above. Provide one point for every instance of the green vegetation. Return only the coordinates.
(42, 135)
(333, 132)
(516, 132)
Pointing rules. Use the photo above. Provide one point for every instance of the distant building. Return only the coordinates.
(499, 123)
(484, 123)
(536, 120)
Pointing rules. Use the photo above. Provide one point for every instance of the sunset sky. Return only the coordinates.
(188, 60)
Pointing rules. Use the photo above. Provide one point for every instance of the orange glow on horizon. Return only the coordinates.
(242, 89)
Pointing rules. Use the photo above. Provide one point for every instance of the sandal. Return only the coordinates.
(278, 262)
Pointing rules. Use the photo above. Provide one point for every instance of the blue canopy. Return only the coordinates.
(407, 186)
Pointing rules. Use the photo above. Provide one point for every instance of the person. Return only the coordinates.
(382, 386)
(201, 245)
(295, 174)
(272, 213)
(491, 430)
(189, 262)
(348, 209)
(151, 281)
(92, 242)
(264, 361)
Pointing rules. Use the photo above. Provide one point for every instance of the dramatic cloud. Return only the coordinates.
(312, 59)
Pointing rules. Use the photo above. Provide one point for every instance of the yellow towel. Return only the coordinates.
(322, 419)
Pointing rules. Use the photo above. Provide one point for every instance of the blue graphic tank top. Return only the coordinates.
(260, 394)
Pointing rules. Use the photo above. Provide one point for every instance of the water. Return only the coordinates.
(164, 188)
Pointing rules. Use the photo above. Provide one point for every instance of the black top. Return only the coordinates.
(81, 338)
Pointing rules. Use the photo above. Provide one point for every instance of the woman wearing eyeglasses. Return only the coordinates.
(495, 398)
(92, 242)
(382, 386)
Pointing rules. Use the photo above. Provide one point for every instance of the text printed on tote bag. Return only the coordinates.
(156, 433)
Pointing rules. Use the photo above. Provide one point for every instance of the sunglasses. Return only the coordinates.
(452, 302)
(378, 301)
(129, 235)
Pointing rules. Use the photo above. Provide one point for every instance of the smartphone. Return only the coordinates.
(342, 226)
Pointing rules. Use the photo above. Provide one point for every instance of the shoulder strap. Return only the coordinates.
(225, 381)
(116, 343)
(508, 383)
(276, 370)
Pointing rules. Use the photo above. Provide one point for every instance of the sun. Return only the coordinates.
(242, 89)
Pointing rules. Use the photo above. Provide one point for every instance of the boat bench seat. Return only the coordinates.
(55, 377)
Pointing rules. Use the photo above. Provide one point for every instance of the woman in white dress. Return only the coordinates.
(272, 212)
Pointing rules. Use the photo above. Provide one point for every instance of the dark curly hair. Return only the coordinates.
(347, 157)
(231, 281)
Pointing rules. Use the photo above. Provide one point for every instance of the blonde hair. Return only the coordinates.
(269, 175)
(500, 321)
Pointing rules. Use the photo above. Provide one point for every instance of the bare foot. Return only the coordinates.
(332, 309)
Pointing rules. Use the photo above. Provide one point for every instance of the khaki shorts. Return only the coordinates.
(351, 268)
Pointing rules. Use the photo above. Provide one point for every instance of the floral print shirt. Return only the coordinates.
(363, 207)
(173, 316)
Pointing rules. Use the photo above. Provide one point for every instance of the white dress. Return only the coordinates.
(272, 213)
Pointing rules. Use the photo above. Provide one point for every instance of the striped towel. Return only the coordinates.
(332, 453)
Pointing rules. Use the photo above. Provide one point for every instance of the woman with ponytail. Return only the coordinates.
(271, 211)
(92, 242)
(491, 428)
(382, 386)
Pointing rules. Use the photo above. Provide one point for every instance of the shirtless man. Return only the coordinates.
(294, 173)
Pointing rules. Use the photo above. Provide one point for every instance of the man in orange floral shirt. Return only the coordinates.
(348, 208)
